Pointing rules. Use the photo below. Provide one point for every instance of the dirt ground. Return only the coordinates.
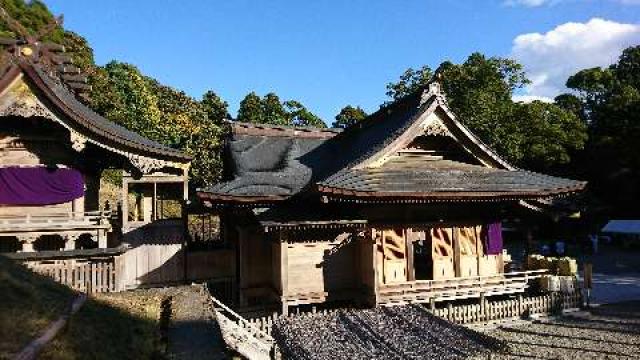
(193, 334)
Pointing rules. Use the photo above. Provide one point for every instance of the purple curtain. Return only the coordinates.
(39, 185)
(494, 239)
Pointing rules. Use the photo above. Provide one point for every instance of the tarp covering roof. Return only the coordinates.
(401, 332)
(622, 227)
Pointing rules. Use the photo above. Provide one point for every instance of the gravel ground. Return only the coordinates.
(608, 332)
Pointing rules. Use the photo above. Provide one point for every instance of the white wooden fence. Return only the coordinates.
(89, 277)
(489, 311)
(482, 312)
(242, 336)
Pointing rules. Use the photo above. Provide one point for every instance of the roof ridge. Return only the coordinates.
(284, 127)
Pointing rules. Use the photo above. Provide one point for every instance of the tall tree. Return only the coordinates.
(217, 109)
(479, 91)
(123, 95)
(251, 110)
(348, 116)
(299, 115)
(410, 81)
(610, 100)
(273, 110)
(270, 110)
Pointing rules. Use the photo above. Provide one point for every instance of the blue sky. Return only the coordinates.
(328, 54)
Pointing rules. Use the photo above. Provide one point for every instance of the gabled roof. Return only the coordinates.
(374, 160)
(83, 122)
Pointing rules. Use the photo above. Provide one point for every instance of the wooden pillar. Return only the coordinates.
(531, 248)
(27, 246)
(378, 261)
(242, 259)
(154, 210)
(185, 184)
(147, 205)
(102, 240)
(411, 271)
(479, 250)
(456, 251)
(125, 203)
(70, 242)
(284, 272)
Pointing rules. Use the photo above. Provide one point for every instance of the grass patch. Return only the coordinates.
(108, 326)
(111, 326)
(28, 303)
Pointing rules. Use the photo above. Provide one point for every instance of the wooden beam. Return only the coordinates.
(411, 271)
(284, 270)
(456, 251)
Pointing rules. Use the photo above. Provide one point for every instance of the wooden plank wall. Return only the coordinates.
(321, 266)
(210, 265)
(151, 264)
(366, 261)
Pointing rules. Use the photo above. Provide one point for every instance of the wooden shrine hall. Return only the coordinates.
(403, 207)
(53, 150)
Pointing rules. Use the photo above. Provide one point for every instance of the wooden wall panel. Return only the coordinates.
(255, 259)
(321, 266)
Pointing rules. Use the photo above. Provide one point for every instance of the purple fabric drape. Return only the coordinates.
(494, 239)
(39, 185)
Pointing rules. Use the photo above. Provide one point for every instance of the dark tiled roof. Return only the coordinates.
(364, 139)
(267, 165)
(443, 178)
(90, 123)
(399, 332)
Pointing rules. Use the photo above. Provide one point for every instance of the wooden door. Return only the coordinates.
(394, 250)
(469, 251)
(442, 248)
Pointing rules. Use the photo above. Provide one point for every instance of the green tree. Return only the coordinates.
(479, 91)
(550, 135)
(610, 101)
(123, 95)
(251, 110)
(217, 109)
(410, 81)
(299, 115)
(348, 116)
(571, 103)
(273, 111)
(270, 110)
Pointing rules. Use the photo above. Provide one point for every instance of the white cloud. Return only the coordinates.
(550, 58)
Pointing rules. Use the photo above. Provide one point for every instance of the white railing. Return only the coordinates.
(422, 291)
(14, 222)
(240, 335)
